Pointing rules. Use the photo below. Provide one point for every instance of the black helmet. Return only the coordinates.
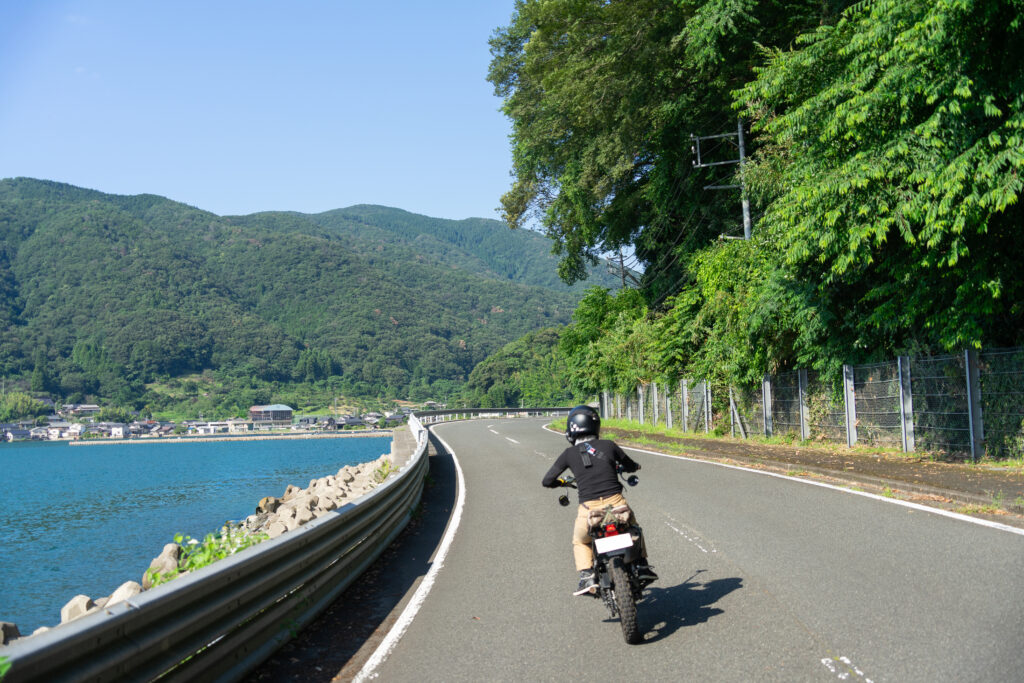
(582, 421)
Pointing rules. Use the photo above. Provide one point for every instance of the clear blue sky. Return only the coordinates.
(238, 106)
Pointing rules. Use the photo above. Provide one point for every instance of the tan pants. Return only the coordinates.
(582, 552)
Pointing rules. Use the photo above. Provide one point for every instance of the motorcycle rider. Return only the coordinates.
(593, 462)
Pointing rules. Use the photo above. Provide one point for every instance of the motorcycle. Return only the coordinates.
(616, 546)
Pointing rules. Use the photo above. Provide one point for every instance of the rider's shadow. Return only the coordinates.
(665, 610)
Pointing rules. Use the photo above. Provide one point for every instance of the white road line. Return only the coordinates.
(511, 439)
(697, 541)
(491, 431)
(369, 669)
(883, 499)
(843, 672)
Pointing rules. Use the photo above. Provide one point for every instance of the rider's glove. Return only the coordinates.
(560, 481)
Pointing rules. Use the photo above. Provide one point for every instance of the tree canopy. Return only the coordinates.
(884, 162)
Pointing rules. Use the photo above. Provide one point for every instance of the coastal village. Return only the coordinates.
(76, 421)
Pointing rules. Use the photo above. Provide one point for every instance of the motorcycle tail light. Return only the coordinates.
(610, 530)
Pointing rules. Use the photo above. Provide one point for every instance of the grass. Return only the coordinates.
(978, 509)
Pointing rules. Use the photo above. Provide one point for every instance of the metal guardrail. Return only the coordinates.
(223, 620)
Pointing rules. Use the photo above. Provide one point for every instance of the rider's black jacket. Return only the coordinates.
(599, 479)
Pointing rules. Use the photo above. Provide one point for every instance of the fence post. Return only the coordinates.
(974, 417)
(805, 427)
(850, 401)
(668, 406)
(766, 404)
(736, 414)
(707, 407)
(654, 397)
(906, 404)
(732, 415)
(684, 388)
(640, 394)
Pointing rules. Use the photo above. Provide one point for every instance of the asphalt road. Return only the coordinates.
(762, 578)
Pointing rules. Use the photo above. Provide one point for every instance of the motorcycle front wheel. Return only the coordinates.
(624, 601)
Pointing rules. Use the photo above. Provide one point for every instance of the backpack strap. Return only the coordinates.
(587, 451)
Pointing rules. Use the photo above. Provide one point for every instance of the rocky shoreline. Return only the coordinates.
(232, 437)
(273, 516)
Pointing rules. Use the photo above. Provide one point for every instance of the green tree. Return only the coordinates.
(891, 170)
(603, 97)
(16, 405)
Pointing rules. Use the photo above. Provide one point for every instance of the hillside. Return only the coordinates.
(100, 293)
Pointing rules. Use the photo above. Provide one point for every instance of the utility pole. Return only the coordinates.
(701, 163)
(622, 272)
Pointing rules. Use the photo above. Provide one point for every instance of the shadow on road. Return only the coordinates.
(336, 645)
(665, 610)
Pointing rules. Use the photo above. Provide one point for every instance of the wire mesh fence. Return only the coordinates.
(748, 403)
(1001, 374)
(941, 416)
(785, 408)
(877, 395)
(969, 403)
(826, 412)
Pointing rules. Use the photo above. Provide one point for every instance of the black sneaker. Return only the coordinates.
(587, 583)
(645, 572)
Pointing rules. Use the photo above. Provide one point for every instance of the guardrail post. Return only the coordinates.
(654, 399)
(766, 404)
(805, 426)
(850, 402)
(974, 418)
(906, 404)
(640, 394)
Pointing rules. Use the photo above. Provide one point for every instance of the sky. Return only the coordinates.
(239, 106)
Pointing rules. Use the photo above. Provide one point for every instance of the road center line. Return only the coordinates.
(511, 439)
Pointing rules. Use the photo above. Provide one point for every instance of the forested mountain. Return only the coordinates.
(100, 294)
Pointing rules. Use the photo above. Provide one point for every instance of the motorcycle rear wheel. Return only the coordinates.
(624, 601)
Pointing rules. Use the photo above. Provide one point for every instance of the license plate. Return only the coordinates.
(610, 543)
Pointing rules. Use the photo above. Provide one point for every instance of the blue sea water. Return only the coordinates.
(85, 519)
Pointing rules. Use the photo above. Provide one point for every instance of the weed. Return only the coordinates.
(385, 470)
(798, 473)
(196, 554)
(976, 509)
(888, 492)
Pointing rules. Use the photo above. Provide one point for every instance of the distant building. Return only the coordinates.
(80, 409)
(274, 415)
(15, 434)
